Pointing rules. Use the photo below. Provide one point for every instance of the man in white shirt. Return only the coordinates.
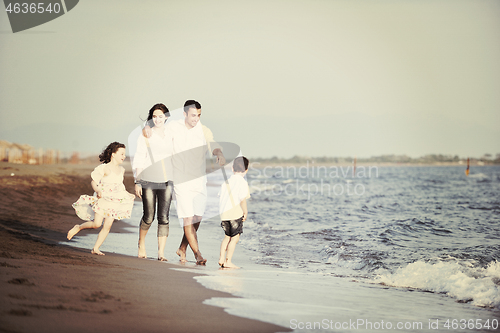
(191, 141)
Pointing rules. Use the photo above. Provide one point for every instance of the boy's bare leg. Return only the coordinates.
(86, 225)
(108, 222)
(161, 248)
(230, 251)
(223, 249)
(195, 221)
(142, 244)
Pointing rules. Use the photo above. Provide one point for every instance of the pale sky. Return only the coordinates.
(284, 78)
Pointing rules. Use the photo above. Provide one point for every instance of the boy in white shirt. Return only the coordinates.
(233, 210)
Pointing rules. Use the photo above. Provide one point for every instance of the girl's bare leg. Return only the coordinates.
(230, 251)
(86, 225)
(108, 222)
(223, 249)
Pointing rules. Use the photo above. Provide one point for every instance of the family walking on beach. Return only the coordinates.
(170, 159)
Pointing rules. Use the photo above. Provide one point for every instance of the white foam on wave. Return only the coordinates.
(478, 175)
(480, 286)
(258, 187)
(250, 224)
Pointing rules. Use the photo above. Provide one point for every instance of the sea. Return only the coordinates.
(338, 249)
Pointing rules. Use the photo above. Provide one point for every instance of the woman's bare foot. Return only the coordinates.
(99, 253)
(73, 231)
(182, 255)
(229, 265)
(162, 259)
(142, 252)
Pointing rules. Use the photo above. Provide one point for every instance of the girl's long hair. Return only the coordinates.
(105, 156)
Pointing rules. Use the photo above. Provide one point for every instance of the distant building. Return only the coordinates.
(26, 154)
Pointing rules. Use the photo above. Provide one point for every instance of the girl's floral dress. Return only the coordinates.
(116, 202)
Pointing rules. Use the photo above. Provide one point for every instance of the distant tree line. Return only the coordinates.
(393, 159)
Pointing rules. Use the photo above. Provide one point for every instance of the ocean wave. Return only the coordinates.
(258, 188)
(478, 175)
(478, 286)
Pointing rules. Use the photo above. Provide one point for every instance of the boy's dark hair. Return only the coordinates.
(240, 164)
(191, 103)
(113, 147)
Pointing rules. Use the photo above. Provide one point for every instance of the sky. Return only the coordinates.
(278, 78)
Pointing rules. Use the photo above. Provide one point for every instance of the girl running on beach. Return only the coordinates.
(110, 201)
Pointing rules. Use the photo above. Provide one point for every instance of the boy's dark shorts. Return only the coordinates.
(232, 227)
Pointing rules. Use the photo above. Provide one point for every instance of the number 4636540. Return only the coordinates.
(33, 8)
(471, 324)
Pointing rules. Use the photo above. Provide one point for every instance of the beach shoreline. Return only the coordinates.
(48, 287)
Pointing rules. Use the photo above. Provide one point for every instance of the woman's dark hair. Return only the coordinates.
(155, 107)
(240, 164)
(113, 147)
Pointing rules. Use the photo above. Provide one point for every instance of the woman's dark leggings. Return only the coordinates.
(153, 193)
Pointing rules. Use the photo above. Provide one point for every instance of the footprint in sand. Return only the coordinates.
(21, 281)
(16, 296)
(98, 296)
(20, 312)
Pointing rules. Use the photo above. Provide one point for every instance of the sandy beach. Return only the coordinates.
(46, 287)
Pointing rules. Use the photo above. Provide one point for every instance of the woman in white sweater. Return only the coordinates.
(153, 178)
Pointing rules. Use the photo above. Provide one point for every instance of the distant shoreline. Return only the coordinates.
(260, 165)
(382, 160)
(85, 168)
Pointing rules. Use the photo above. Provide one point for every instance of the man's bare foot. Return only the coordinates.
(99, 253)
(182, 255)
(199, 259)
(142, 253)
(73, 231)
(230, 265)
(162, 259)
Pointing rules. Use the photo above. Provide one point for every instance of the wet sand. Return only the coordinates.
(46, 287)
